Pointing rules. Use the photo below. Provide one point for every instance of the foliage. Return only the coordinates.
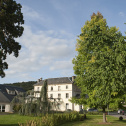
(100, 64)
(92, 120)
(43, 103)
(94, 113)
(31, 105)
(120, 118)
(17, 107)
(11, 20)
(19, 99)
(54, 119)
(25, 85)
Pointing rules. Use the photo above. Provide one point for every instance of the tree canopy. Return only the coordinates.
(25, 85)
(11, 20)
(100, 65)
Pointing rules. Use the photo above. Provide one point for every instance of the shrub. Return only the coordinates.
(120, 118)
(55, 119)
(17, 107)
(94, 113)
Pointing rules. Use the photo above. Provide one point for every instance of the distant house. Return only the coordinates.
(60, 90)
(7, 93)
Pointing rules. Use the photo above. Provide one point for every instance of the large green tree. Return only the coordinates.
(11, 20)
(100, 65)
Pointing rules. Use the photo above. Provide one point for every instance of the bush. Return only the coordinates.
(17, 107)
(55, 119)
(120, 118)
(94, 113)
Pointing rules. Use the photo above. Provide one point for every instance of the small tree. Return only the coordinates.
(100, 65)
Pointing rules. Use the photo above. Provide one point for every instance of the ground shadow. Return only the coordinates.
(9, 125)
(120, 121)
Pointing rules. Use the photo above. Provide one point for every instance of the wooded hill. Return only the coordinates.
(25, 85)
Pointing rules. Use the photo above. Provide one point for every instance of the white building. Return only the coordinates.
(60, 90)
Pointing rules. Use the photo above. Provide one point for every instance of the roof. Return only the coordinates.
(61, 80)
(4, 96)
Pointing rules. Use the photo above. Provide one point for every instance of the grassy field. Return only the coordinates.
(13, 119)
(92, 120)
(96, 120)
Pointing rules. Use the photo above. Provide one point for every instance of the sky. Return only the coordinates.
(50, 31)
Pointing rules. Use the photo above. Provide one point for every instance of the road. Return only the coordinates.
(115, 114)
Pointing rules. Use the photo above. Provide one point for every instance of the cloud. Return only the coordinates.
(36, 19)
(61, 65)
(30, 13)
(44, 51)
(41, 49)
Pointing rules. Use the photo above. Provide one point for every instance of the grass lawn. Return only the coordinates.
(96, 120)
(92, 120)
(13, 119)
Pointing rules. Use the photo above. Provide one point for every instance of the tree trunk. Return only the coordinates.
(104, 115)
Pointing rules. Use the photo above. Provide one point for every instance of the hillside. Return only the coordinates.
(25, 85)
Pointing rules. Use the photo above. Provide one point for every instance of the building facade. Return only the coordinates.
(7, 93)
(60, 90)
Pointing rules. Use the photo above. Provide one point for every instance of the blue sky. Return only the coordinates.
(50, 32)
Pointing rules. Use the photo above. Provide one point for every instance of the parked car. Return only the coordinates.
(92, 110)
(120, 111)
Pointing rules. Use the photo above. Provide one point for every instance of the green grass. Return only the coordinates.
(13, 119)
(92, 120)
(97, 120)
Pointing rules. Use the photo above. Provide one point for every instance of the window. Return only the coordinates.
(37, 95)
(37, 88)
(67, 95)
(66, 86)
(80, 107)
(51, 95)
(51, 88)
(11, 92)
(67, 105)
(58, 105)
(59, 95)
(59, 88)
(2, 108)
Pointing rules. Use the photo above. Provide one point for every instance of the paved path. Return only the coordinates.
(117, 115)
(124, 117)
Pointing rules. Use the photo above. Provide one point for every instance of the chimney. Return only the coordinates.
(73, 78)
(41, 79)
(38, 80)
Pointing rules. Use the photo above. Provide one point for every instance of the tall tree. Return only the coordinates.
(100, 65)
(11, 20)
(43, 100)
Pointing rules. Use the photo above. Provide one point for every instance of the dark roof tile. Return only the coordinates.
(4, 96)
(60, 80)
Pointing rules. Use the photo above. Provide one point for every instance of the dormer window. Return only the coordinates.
(11, 92)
